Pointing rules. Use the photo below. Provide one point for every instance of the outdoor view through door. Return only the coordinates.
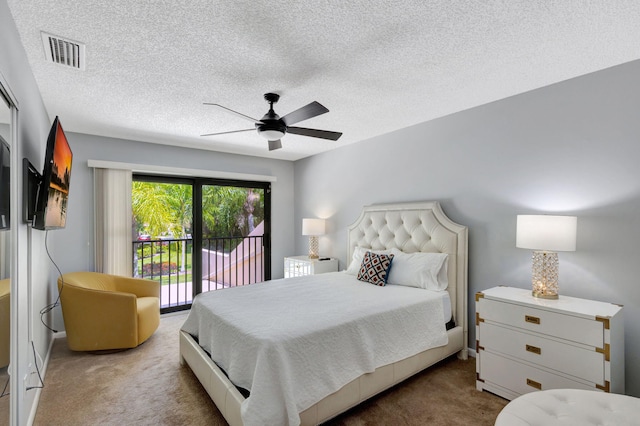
(196, 235)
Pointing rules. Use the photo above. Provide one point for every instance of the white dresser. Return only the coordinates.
(526, 344)
(297, 266)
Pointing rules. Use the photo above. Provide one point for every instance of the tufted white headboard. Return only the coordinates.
(417, 227)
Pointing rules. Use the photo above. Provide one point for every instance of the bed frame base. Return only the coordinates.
(228, 399)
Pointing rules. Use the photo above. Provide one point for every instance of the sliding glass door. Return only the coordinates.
(198, 235)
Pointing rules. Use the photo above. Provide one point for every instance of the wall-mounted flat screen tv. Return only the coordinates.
(5, 197)
(53, 194)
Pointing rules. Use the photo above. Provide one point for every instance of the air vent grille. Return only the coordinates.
(64, 51)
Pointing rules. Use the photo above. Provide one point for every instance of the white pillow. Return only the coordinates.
(358, 255)
(422, 270)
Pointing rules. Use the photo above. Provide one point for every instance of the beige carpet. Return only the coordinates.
(147, 386)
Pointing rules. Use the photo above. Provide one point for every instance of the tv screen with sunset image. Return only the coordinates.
(53, 194)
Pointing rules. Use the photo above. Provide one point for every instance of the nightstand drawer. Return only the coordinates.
(294, 268)
(299, 266)
(521, 378)
(568, 327)
(581, 362)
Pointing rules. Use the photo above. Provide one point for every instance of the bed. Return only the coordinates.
(410, 228)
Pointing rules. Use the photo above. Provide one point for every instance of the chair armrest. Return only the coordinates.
(5, 316)
(138, 286)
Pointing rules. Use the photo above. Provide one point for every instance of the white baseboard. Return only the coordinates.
(43, 374)
(472, 352)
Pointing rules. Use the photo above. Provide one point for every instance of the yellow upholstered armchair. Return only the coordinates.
(104, 311)
(4, 322)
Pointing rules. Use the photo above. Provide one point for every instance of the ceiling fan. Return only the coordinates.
(273, 127)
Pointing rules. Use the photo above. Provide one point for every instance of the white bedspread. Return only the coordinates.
(292, 342)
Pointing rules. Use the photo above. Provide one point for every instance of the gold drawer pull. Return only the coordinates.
(534, 349)
(534, 384)
(532, 320)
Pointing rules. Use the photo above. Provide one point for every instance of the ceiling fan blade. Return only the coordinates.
(314, 133)
(239, 114)
(277, 144)
(232, 131)
(308, 111)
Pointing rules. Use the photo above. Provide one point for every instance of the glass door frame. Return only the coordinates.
(197, 221)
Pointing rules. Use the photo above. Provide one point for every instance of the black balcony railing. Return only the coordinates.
(231, 261)
(225, 262)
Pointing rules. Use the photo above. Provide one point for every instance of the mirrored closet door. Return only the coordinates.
(6, 166)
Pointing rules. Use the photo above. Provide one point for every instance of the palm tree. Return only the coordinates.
(162, 208)
(179, 199)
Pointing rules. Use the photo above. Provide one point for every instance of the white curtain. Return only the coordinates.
(113, 221)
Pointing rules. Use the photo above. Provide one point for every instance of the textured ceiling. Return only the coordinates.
(378, 66)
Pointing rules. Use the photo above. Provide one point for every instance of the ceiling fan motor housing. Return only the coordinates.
(271, 127)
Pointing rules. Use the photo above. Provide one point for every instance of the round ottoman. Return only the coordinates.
(570, 407)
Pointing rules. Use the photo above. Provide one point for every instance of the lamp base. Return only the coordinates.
(313, 247)
(544, 295)
(545, 274)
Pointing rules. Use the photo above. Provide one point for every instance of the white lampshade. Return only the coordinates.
(313, 226)
(546, 232)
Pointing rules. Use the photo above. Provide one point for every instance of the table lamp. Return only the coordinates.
(313, 228)
(546, 235)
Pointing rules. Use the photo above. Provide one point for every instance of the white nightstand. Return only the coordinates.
(297, 266)
(526, 344)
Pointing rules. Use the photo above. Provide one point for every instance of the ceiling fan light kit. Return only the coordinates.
(269, 134)
(272, 127)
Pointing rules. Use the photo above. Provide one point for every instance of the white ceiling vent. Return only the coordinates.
(63, 51)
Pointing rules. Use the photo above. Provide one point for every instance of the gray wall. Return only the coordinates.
(570, 148)
(30, 291)
(74, 246)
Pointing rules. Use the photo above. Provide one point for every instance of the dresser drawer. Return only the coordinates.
(521, 378)
(583, 363)
(525, 343)
(564, 326)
